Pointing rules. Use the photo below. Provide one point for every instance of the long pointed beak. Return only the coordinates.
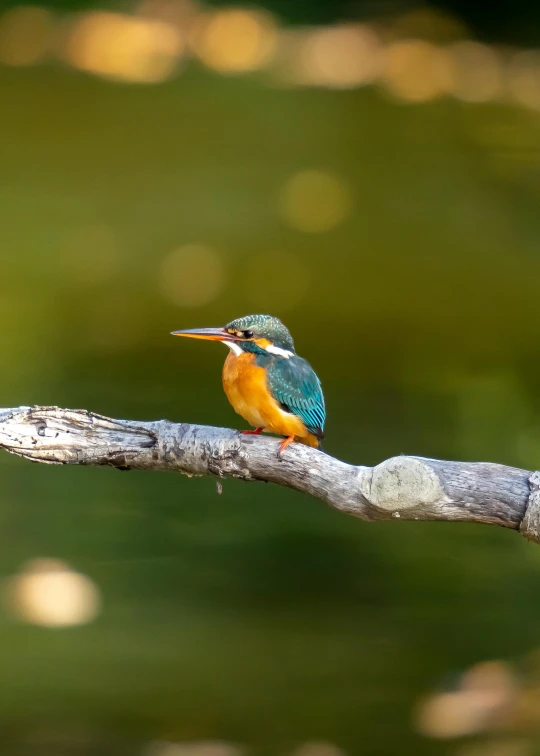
(210, 334)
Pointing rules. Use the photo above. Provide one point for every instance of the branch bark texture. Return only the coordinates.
(407, 488)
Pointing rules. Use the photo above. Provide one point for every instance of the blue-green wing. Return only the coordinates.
(294, 384)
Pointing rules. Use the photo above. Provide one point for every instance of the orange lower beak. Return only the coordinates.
(210, 334)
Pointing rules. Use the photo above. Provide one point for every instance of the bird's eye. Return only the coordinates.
(248, 334)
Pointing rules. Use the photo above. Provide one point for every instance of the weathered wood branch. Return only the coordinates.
(409, 488)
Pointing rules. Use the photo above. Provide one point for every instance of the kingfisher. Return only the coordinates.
(266, 382)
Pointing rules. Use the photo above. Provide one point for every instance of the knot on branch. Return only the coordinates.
(530, 524)
(403, 483)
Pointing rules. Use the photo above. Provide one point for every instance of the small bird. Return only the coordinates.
(266, 382)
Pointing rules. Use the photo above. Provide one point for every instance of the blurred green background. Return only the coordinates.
(375, 183)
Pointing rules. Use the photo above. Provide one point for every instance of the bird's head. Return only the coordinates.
(252, 333)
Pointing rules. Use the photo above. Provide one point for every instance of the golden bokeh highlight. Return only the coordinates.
(315, 201)
(195, 748)
(416, 57)
(484, 699)
(124, 47)
(417, 71)
(450, 715)
(276, 281)
(318, 748)
(26, 35)
(47, 592)
(476, 72)
(234, 40)
(524, 79)
(192, 276)
(339, 57)
(180, 13)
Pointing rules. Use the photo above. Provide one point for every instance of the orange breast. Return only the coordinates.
(246, 388)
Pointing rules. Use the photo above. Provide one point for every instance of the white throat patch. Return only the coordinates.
(234, 347)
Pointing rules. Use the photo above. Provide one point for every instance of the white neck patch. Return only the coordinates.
(280, 352)
(237, 349)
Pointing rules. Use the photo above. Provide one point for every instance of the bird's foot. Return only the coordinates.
(283, 445)
(251, 432)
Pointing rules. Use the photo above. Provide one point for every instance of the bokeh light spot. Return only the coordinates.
(49, 593)
(319, 748)
(524, 79)
(192, 275)
(180, 13)
(123, 47)
(315, 201)
(195, 748)
(276, 281)
(26, 35)
(338, 57)
(477, 74)
(234, 40)
(417, 71)
(485, 693)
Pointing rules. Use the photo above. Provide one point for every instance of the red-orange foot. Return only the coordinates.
(251, 433)
(283, 445)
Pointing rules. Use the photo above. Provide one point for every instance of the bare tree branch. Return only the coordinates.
(408, 488)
